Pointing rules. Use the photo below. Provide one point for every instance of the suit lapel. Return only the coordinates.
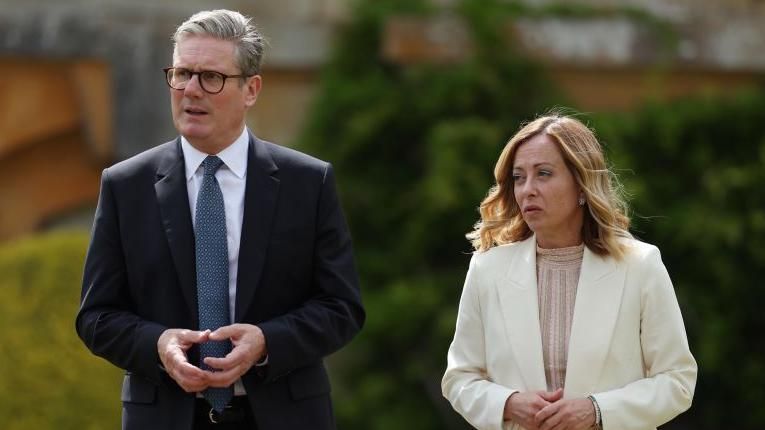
(260, 197)
(173, 200)
(598, 299)
(517, 291)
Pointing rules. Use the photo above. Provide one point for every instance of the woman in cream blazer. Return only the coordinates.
(628, 364)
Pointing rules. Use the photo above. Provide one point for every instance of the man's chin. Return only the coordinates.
(194, 132)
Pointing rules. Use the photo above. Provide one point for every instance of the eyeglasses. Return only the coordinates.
(210, 81)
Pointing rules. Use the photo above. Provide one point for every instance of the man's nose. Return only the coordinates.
(193, 87)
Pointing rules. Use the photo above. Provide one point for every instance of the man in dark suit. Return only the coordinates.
(220, 270)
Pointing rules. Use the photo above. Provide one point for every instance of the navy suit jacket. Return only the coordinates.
(296, 280)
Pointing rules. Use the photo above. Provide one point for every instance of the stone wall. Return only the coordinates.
(133, 38)
(108, 54)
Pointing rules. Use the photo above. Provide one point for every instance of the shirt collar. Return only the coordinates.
(234, 156)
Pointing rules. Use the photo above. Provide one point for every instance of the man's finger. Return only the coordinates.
(193, 387)
(189, 377)
(192, 336)
(188, 371)
(238, 355)
(176, 355)
(224, 363)
(227, 332)
(224, 378)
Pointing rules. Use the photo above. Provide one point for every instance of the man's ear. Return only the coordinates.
(252, 87)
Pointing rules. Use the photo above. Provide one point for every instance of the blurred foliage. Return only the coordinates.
(414, 148)
(48, 378)
(697, 177)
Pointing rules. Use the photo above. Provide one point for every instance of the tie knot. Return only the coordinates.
(212, 164)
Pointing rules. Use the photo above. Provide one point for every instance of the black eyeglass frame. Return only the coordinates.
(201, 81)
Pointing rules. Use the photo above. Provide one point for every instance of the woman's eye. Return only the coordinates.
(544, 173)
(516, 178)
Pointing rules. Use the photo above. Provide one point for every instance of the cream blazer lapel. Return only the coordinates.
(517, 291)
(598, 299)
(497, 347)
(599, 294)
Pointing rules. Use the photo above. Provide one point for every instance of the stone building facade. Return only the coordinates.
(82, 87)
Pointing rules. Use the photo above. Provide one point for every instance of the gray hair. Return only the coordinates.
(227, 25)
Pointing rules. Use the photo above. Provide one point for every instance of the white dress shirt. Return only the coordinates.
(231, 177)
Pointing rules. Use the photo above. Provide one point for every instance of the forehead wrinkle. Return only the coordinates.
(198, 53)
(541, 151)
(534, 157)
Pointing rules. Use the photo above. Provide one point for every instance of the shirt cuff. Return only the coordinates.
(262, 362)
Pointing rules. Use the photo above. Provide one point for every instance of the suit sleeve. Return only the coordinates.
(466, 383)
(106, 322)
(334, 313)
(670, 369)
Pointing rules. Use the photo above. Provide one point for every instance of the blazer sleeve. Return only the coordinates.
(670, 369)
(466, 383)
(106, 322)
(334, 313)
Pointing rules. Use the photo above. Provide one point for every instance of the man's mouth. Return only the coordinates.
(195, 111)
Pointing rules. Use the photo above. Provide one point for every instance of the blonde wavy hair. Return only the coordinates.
(605, 215)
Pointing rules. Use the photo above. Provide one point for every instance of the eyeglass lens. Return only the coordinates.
(212, 82)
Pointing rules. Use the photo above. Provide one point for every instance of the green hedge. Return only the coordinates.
(414, 148)
(697, 175)
(49, 380)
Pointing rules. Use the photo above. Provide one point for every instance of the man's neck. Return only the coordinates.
(213, 147)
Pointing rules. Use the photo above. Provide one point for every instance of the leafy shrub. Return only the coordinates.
(414, 147)
(49, 379)
(698, 169)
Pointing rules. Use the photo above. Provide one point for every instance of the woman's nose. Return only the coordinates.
(529, 186)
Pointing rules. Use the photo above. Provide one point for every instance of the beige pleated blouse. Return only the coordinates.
(557, 278)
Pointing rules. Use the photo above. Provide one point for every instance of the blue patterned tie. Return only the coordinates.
(212, 273)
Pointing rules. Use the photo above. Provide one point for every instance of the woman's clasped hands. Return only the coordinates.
(544, 410)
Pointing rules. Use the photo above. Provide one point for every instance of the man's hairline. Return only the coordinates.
(189, 35)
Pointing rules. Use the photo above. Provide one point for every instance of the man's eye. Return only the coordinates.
(211, 77)
(181, 74)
